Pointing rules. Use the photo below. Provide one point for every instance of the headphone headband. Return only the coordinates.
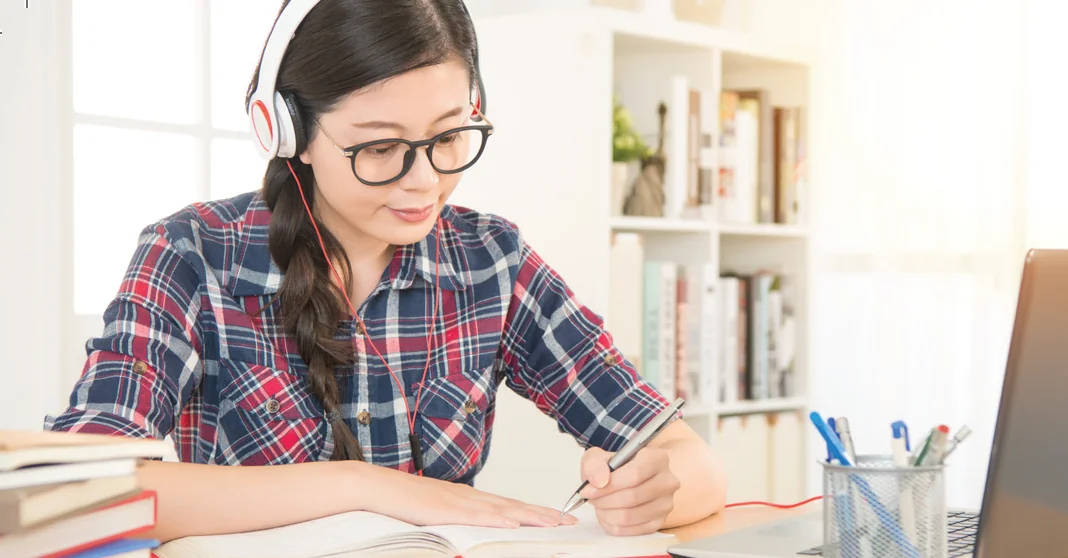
(265, 121)
(273, 117)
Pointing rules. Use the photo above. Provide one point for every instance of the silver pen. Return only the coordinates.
(842, 425)
(631, 448)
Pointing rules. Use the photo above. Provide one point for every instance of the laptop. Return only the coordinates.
(1024, 510)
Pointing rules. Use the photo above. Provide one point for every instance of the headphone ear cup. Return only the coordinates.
(291, 138)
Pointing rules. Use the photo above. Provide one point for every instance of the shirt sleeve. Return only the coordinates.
(142, 368)
(558, 354)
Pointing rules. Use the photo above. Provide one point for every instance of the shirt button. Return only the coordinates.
(140, 367)
(611, 360)
(469, 406)
(359, 329)
(364, 418)
(272, 406)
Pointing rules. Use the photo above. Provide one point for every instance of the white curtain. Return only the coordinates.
(924, 166)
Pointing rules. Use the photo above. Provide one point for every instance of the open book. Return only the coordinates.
(368, 534)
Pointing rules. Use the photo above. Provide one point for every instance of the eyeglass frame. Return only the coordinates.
(409, 157)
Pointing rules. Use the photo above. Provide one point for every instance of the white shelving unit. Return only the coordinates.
(551, 155)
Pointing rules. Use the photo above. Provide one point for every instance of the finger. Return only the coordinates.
(619, 520)
(642, 529)
(631, 497)
(639, 470)
(549, 516)
(594, 467)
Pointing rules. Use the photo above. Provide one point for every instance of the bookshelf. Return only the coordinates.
(558, 132)
(668, 61)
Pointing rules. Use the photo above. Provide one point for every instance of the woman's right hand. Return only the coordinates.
(428, 501)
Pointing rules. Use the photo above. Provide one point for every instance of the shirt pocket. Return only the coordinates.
(454, 417)
(266, 417)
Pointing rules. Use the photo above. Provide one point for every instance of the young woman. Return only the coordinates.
(348, 327)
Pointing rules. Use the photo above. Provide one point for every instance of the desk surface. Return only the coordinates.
(736, 518)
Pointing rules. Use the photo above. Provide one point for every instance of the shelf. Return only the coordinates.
(760, 229)
(659, 224)
(760, 406)
(747, 407)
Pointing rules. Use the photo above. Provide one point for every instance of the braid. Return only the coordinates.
(310, 300)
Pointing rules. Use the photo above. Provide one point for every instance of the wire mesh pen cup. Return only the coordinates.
(877, 509)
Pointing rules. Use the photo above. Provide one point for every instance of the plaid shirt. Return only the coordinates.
(193, 347)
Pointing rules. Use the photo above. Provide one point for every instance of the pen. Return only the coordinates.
(900, 443)
(900, 446)
(834, 445)
(921, 450)
(631, 448)
(959, 437)
(937, 448)
(841, 425)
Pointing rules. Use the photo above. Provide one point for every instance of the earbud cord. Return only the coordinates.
(417, 452)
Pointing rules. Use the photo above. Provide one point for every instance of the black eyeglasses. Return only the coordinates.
(380, 162)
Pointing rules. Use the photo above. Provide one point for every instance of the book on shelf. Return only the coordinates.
(760, 336)
(74, 495)
(362, 533)
(761, 160)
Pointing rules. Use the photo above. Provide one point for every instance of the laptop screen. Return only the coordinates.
(1025, 508)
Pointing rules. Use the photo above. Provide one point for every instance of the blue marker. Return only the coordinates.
(834, 445)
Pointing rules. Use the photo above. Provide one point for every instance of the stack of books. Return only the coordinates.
(75, 495)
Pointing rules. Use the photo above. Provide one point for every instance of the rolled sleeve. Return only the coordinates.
(561, 357)
(140, 372)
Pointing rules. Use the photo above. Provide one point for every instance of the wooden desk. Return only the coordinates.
(732, 519)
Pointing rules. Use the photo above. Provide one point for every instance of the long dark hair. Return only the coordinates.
(340, 47)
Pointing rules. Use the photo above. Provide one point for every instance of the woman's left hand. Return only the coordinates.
(634, 499)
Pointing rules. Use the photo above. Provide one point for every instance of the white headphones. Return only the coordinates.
(270, 115)
(275, 118)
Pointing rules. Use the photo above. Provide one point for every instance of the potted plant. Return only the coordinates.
(628, 150)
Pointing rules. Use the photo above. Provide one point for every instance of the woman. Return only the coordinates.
(231, 332)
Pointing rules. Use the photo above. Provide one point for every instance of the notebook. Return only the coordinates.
(367, 534)
(21, 448)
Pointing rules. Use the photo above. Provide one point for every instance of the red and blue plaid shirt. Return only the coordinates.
(193, 347)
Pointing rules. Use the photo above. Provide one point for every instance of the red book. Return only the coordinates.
(85, 530)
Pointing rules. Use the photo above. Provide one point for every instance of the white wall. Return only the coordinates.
(32, 170)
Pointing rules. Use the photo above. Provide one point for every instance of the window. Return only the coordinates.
(158, 99)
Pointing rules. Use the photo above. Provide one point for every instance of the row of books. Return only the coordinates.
(694, 332)
(736, 156)
(762, 164)
(75, 495)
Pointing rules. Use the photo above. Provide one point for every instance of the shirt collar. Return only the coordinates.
(255, 273)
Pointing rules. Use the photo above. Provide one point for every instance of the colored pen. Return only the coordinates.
(899, 445)
(937, 447)
(841, 425)
(920, 453)
(830, 422)
(834, 445)
(959, 437)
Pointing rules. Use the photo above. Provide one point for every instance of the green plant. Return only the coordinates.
(627, 144)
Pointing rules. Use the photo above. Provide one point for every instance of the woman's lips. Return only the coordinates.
(413, 214)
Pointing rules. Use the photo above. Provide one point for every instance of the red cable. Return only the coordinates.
(780, 506)
(345, 293)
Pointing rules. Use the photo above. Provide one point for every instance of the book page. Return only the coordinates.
(335, 534)
(586, 533)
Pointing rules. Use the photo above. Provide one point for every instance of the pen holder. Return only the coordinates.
(877, 509)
